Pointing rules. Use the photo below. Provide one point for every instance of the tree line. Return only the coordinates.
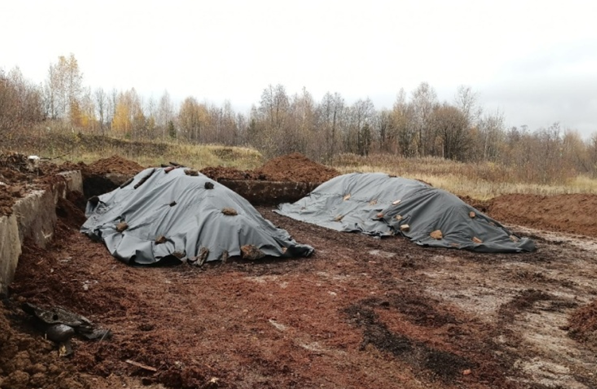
(417, 125)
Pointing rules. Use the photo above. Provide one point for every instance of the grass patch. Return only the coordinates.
(481, 181)
(66, 146)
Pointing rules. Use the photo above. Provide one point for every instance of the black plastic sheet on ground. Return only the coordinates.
(381, 205)
(168, 213)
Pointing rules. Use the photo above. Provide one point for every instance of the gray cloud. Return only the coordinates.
(540, 101)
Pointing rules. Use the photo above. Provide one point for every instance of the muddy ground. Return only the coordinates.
(360, 313)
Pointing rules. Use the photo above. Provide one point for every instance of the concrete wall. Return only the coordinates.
(33, 220)
(10, 250)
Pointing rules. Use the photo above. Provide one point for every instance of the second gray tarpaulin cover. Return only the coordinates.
(381, 205)
(178, 213)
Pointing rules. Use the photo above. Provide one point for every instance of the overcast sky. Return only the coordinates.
(535, 61)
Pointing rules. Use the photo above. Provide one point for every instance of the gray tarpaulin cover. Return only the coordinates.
(171, 214)
(378, 204)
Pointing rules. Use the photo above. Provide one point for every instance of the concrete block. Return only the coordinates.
(36, 217)
(10, 250)
(74, 181)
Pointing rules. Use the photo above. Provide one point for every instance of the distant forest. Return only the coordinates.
(418, 124)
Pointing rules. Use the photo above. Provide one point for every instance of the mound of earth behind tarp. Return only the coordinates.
(167, 213)
(380, 205)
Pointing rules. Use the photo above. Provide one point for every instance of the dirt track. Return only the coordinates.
(360, 313)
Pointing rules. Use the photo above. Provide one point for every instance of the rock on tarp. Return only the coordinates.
(167, 213)
(378, 204)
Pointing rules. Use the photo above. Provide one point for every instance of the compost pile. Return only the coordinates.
(293, 167)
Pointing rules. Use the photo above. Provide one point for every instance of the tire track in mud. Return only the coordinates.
(438, 342)
(445, 365)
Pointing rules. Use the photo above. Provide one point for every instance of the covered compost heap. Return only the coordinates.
(381, 205)
(176, 213)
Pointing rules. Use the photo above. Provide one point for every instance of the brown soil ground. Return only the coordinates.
(8, 195)
(361, 312)
(573, 213)
(292, 167)
(27, 360)
(583, 324)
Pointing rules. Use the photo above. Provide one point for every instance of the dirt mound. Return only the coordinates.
(8, 196)
(228, 173)
(583, 324)
(18, 176)
(114, 164)
(481, 205)
(95, 180)
(292, 167)
(572, 213)
(8, 175)
(16, 172)
(296, 167)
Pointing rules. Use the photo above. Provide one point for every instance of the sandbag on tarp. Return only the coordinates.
(378, 204)
(165, 213)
